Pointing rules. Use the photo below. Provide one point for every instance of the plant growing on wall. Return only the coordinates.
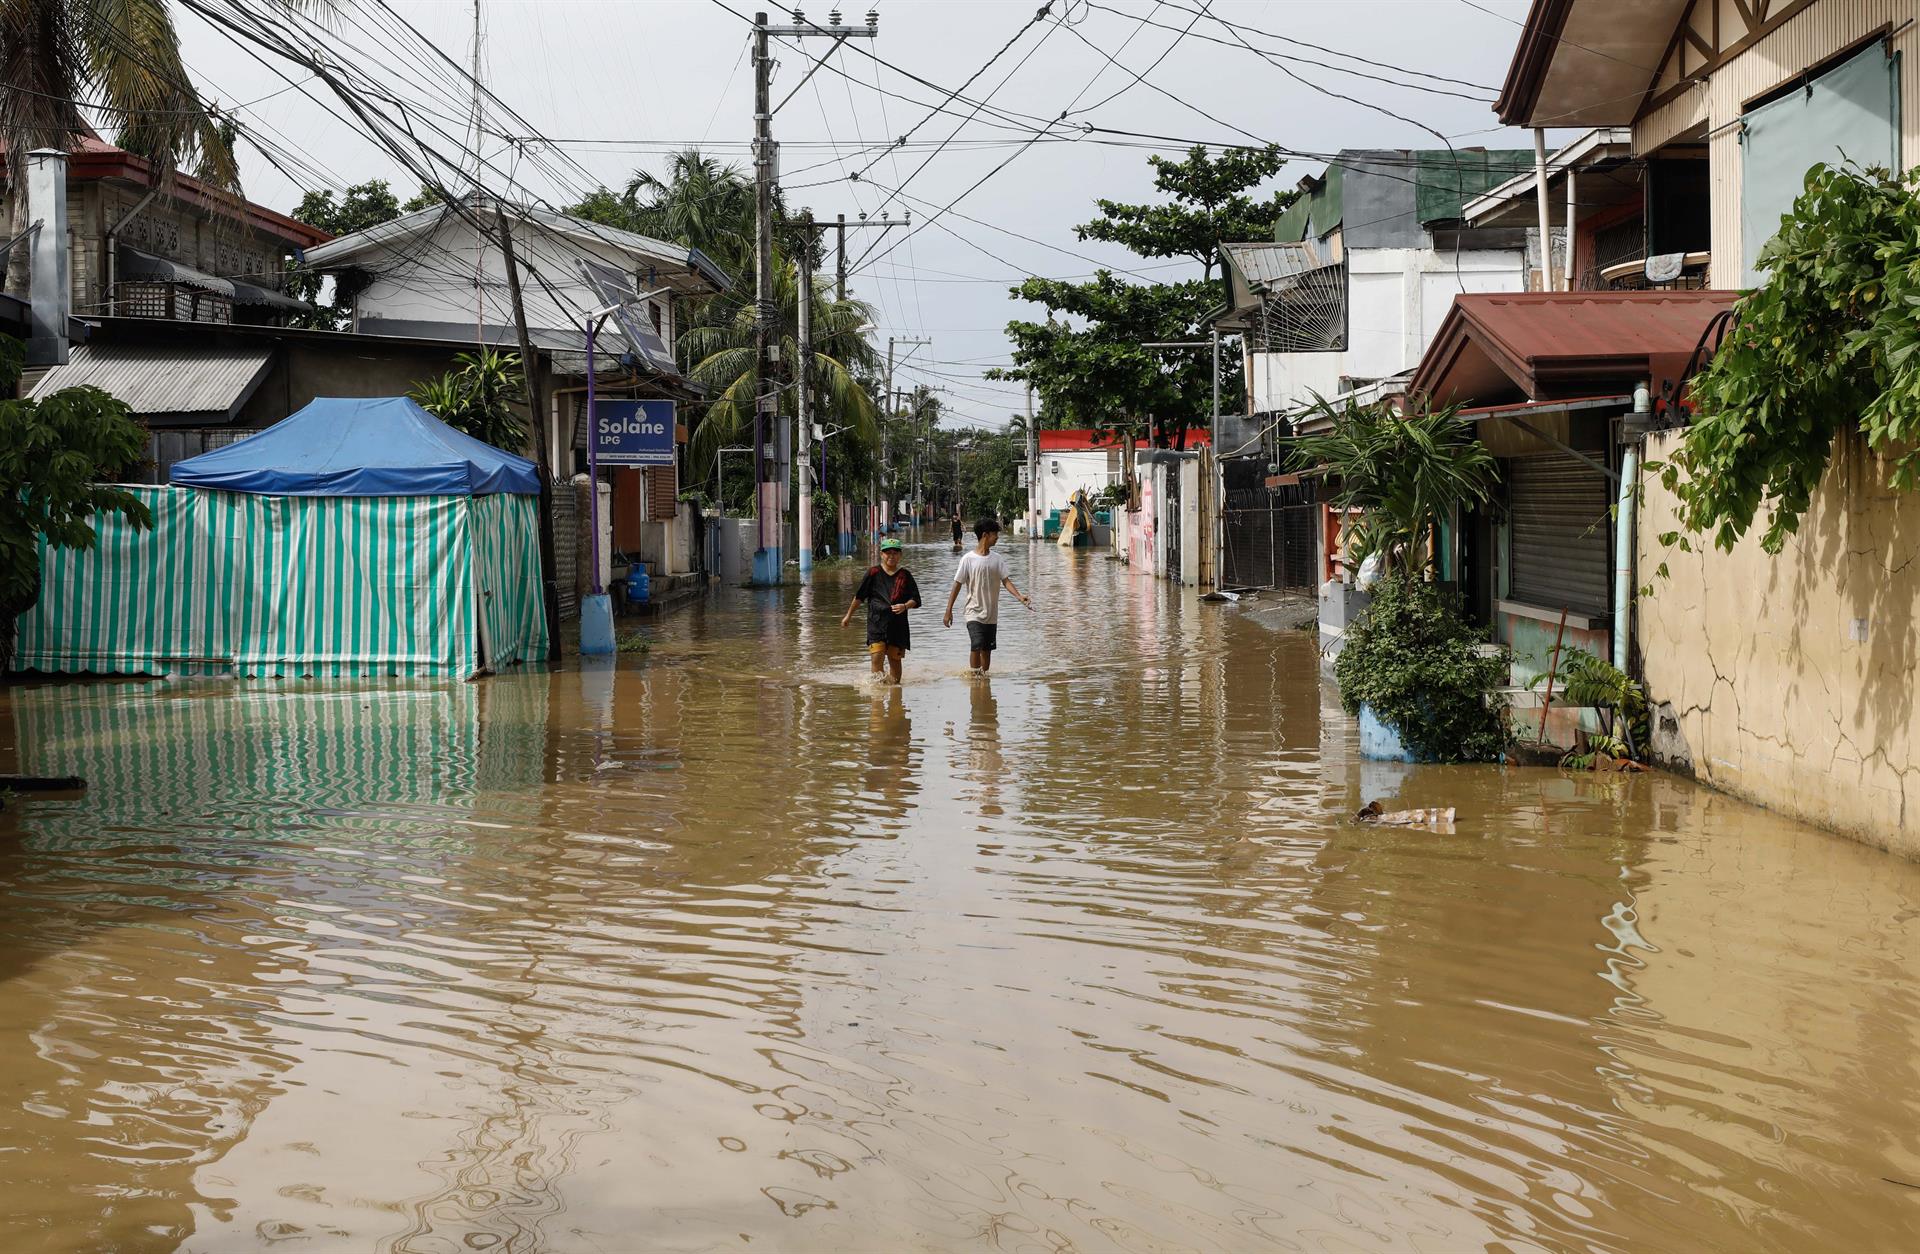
(477, 397)
(1829, 342)
(53, 454)
(1408, 472)
(1415, 661)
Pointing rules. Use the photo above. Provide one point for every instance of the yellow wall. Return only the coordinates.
(1791, 678)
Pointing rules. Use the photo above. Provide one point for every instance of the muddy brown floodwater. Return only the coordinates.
(720, 948)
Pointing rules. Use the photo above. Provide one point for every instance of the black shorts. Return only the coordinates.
(982, 637)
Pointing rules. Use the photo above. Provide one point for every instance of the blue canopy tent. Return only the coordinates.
(357, 537)
(344, 446)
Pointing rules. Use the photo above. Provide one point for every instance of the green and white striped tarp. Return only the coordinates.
(229, 582)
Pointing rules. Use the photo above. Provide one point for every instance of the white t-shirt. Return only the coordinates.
(981, 577)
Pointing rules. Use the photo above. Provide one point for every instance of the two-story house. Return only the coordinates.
(1785, 678)
(440, 274)
(1345, 298)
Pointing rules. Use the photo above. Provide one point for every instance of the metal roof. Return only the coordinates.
(205, 383)
(689, 261)
(1275, 263)
(1492, 345)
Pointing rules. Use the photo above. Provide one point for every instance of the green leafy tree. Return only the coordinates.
(1416, 663)
(700, 201)
(1086, 361)
(1407, 471)
(54, 452)
(478, 396)
(989, 481)
(1829, 343)
(1210, 205)
(359, 207)
(722, 358)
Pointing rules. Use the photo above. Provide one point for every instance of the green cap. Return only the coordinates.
(889, 544)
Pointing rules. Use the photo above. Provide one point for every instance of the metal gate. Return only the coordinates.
(1268, 533)
(1562, 534)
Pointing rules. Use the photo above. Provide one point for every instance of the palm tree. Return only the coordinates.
(701, 203)
(60, 59)
(722, 357)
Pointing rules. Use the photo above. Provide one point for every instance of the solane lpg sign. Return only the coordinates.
(633, 433)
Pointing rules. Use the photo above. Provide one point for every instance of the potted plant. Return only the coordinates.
(1409, 661)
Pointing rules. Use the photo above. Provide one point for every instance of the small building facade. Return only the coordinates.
(440, 274)
(1782, 678)
(175, 248)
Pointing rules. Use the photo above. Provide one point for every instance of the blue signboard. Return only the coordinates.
(633, 433)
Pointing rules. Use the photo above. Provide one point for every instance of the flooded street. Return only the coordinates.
(721, 948)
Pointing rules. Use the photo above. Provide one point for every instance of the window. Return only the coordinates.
(653, 308)
(1846, 113)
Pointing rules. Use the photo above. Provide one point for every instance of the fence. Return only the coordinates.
(1268, 533)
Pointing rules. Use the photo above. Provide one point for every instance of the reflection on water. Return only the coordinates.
(725, 946)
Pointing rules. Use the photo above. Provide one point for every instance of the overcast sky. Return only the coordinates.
(616, 83)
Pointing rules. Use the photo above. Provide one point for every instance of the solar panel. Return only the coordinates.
(615, 287)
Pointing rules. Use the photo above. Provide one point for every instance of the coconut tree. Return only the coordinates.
(721, 357)
(61, 60)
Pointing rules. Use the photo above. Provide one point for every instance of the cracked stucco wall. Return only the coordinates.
(1792, 676)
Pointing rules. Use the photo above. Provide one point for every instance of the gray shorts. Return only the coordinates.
(982, 637)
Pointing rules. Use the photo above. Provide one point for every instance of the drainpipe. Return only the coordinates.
(1623, 531)
(1540, 195)
(111, 246)
(50, 290)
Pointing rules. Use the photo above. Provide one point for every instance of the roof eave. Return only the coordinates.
(1532, 58)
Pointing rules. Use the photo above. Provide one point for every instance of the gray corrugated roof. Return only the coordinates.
(204, 383)
(1274, 263)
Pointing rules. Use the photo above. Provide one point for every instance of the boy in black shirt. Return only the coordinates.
(888, 592)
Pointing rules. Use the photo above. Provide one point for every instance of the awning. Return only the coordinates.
(198, 386)
(146, 267)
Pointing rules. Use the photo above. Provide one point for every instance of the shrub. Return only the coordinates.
(1413, 659)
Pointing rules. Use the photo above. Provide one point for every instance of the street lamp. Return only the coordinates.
(596, 614)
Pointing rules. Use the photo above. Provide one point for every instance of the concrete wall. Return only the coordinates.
(1080, 470)
(1396, 299)
(1788, 680)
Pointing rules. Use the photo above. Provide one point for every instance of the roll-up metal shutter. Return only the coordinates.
(1562, 534)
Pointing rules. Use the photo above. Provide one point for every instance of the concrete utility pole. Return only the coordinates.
(841, 225)
(537, 412)
(803, 397)
(1033, 470)
(886, 464)
(771, 474)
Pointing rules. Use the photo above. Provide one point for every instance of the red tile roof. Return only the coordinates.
(1499, 346)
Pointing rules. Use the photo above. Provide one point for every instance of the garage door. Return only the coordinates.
(1562, 534)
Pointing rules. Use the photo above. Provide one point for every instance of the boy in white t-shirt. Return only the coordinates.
(982, 573)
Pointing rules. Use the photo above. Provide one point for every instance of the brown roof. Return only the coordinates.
(93, 158)
(1499, 346)
(1589, 62)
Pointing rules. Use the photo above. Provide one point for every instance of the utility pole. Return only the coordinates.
(766, 557)
(803, 400)
(841, 225)
(771, 473)
(536, 410)
(1033, 470)
(886, 465)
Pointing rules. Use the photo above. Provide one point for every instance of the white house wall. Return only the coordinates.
(1064, 473)
(1282, 381)
(432, 280)
(1396, 300)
